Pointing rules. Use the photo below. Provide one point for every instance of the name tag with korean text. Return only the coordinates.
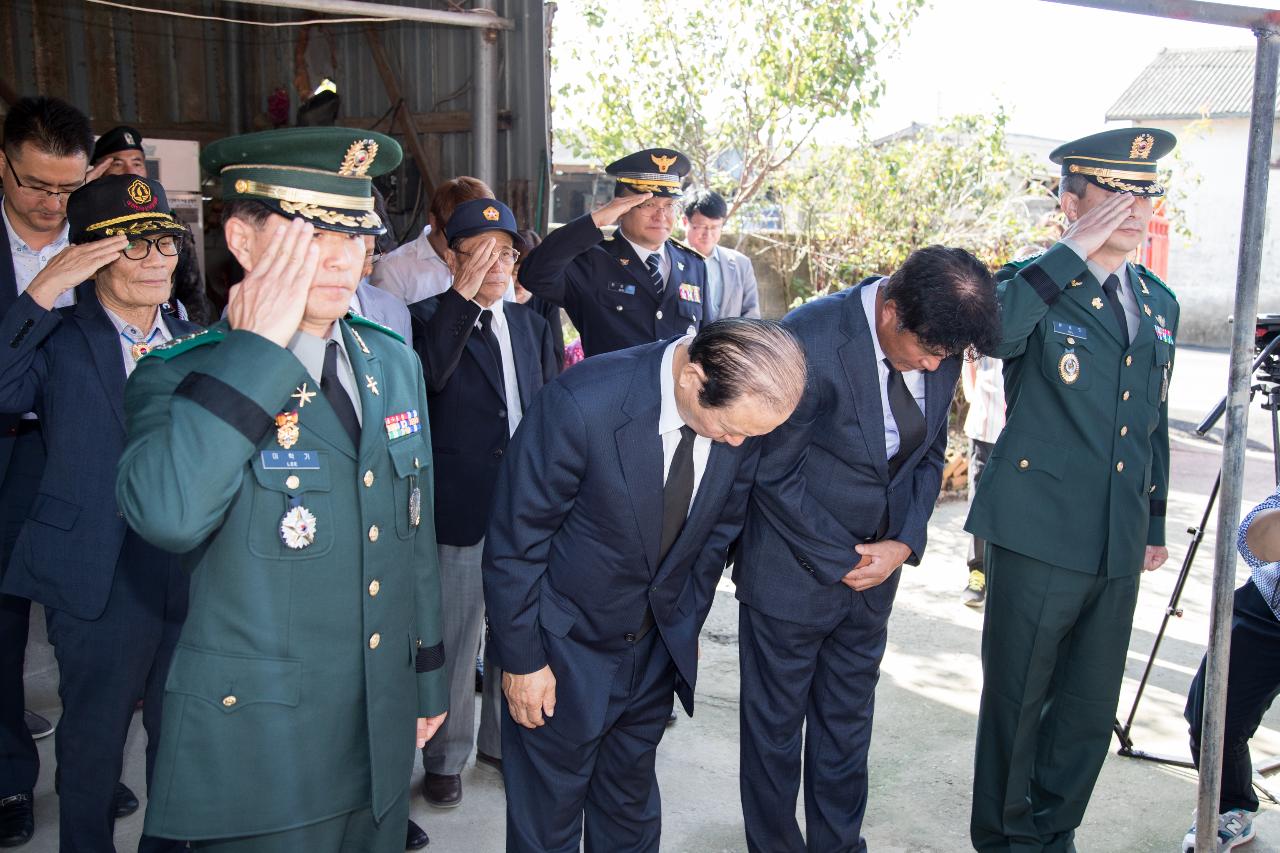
(1070, 330)
(275, 460)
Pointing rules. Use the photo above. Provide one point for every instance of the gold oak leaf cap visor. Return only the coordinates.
(320, 174)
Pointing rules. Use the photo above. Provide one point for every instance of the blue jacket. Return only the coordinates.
(823, 482)
(571, 556)
(66, 366)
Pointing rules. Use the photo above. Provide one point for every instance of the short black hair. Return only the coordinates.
(50, 124)
(1075, 184)
(707, 202)
(743, 355)
(947, 298)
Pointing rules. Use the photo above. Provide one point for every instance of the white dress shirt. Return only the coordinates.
(511, 384)
(127, 335)
(669, 422)
(914, 379)
(664, 263)
(413, 272)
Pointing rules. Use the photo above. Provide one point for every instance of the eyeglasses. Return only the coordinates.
(505, 256)
(37, 192)
(140, 247)
(668, 208)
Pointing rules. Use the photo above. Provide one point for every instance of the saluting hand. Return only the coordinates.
(475, 267)
(428, 726)
(530, 697)
(879, 560)
(271, 299)
(1092, 230)
(612, 212)
(72, 266)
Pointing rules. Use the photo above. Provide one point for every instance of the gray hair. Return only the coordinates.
(743, 356)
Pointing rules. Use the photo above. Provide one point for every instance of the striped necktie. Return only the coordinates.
(655, 272)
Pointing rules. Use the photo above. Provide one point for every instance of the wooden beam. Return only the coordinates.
(403, 115)
(449, 121)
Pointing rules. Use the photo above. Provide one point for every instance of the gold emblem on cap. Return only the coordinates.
(491, 213)
(242, 186)
(359, 158)
(140, 192)
(1142, 145)
(1097, 303)
(663, 163)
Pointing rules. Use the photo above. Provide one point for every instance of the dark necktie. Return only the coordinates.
(333, 391)
(1110, 288)
(655, 272)
(677, 492)
(907, 415)
(491, 343)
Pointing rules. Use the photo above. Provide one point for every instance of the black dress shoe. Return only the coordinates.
(17, 820)
(417, 837)
(486, 758)
(124, 802)
(442, 791)
(37, 725)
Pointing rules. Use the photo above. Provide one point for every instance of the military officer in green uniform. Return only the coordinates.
(286, 452)
(1072, 502)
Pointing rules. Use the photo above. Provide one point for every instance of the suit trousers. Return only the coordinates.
(353, 832)
(602, 793)
(462, 623)
(1253, 682)
(19, 760)
(819, 680)
(1054, 643)
(979, 453)
(104, 666)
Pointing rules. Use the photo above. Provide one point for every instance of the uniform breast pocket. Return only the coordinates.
(292, 506)
(411, 462)
(1161, 368)
(1067, 362)
(619, 296)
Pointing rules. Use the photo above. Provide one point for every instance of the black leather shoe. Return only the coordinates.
(37, 725)
(125, 801)
(486, 758)
(443, 792)
(417, 837)
(17, 820)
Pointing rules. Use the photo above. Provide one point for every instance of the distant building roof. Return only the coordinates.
(1215, 82)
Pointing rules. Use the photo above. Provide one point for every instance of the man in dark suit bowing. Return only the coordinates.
(114, 603)
(483, 360)
(842, 498)
(612, 520)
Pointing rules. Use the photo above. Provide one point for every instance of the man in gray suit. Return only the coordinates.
(380, 306)
(731, 282)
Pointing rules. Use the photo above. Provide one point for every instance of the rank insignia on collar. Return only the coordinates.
(1147, 309)
(1097, 303)
(624, 261)
(1075, 282)
(302, 395)
(359, 341)
(371, 384)
(287, 431)
(679, 264)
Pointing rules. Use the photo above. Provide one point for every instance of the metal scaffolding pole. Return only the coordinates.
(484, 108)
(1248, 271)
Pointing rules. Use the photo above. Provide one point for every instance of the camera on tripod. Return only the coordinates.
(1267, 330)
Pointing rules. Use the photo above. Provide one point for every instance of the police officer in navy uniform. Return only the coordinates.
(637, 286)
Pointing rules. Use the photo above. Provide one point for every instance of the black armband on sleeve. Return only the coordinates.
(1158, 508)
(1042, 284)
(429, 660)
(227, 403)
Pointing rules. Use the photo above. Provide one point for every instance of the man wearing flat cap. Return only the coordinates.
(119, 152)
(638, 285)
(114, 602)
(1072, 501)
(285, 452)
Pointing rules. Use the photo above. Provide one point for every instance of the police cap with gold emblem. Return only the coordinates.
(320, 174)
(122, 138)
(1119, 161)
(119, 205)
(478, 216)
(659, 171)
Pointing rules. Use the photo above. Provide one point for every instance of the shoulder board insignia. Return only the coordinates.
(360, 320)
(1154, 279)
(177, 346)
(673, 241)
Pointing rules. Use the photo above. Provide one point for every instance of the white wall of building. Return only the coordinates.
(1202, 267)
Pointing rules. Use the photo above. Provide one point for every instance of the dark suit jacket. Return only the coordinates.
(607, 291)
(823, 482)
(8, 295)
(66, 366)
(571, 555)
(467, 403)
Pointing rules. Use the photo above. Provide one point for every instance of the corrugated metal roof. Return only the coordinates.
(1191, 84)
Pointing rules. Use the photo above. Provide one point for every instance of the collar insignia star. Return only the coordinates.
(371, 384)
(302, 395)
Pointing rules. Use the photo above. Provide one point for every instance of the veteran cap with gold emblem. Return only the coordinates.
(119, 205)
(122, 138)
(1119, 161)
(478, 216)
(320, 174)
(659, 171)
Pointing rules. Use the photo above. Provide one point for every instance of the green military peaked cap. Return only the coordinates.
(1119, 161)
(321, 174)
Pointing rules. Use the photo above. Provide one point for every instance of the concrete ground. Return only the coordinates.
(927, 702)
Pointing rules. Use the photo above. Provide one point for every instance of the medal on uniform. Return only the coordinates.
(415, 503)
(139, 349)
(298, 527)
(1164, 384)
(287, 429)
(1069, 367)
